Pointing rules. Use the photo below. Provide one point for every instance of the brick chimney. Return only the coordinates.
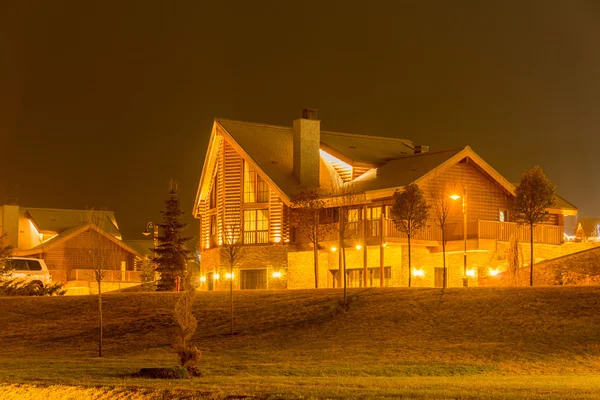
(307, 138)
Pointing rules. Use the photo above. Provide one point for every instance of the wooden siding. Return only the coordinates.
(232, 189)
(276, 218)
(358, 171)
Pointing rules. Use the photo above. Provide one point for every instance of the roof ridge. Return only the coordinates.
(458, 149)
(361, 135)
(64, 209)
(252, 123)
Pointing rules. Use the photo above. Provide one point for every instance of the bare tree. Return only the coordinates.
(98, 253)
(311, 221)
(535, 194)
(343, 201)
(441, 213)
(410, 213)
(232, 248)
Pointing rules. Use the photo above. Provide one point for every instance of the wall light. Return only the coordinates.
(216, 276)
(229, 276)
(358, 247)
(494, 272)
(334, 249)
(418, 272)
(277, 239)
(276, 274)
(202, 279)
(384, 245)
(471, 272)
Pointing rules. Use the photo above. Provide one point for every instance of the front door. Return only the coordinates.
(439, 277)
(210, 276)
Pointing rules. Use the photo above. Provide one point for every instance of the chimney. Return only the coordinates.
(10, 225)
(421, 149)
(307, 138)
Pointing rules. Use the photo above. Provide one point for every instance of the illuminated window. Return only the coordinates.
(256, 226)
(213, 194)
(374, 215)
(256, 189)
(353, 215)
(503, 217)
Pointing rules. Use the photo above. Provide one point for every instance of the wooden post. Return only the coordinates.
(365, 269)
(381, 251)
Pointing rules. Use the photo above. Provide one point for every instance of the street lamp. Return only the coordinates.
(152, 228)
(464, 210)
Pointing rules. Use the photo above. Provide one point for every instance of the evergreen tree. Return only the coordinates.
(171, 253)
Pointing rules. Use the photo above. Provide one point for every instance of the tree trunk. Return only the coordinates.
(101, 333)
(316, 249)
(445, 283)
(231, 296)
(345, 285)
(409, 267)
(531, 260)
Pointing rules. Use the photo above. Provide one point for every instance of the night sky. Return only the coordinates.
(102, 102)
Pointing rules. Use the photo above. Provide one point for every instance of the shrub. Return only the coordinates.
(17, 287)
(189, 355)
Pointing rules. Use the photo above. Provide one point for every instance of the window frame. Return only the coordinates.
(260, 236)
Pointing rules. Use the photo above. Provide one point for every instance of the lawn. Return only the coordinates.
(470, 343)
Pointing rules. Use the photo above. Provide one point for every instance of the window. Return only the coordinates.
(253, 279)
(503, 216)
(256, 189)
(256, 226)
(353, 215)
(213, 194)
(34, 265)
(213, 230)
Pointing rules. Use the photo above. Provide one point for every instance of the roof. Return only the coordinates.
(70, 233)
(144, 247)
(59, 220)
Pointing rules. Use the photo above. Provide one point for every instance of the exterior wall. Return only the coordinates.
(72, 254)
(10, 225)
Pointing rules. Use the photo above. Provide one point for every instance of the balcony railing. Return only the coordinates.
(110, 275)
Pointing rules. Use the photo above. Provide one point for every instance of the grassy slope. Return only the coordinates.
(295, 343)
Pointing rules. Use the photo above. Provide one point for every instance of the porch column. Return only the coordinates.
(381, 249)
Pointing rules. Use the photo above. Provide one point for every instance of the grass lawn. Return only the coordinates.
(496, 343)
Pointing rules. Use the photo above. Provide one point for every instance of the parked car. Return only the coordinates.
(29, 270)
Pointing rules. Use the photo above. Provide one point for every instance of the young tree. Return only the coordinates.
(513, 260)
(410, 213)
(171, 253)
(97, 252)
(147, 270)
(535, 194)
(5, 252)
(232, 249)
(189, 355)
(441, 212)
(309, 218)
(343, 202)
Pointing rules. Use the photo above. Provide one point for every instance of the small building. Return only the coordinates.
(72, 243)
(252, 171)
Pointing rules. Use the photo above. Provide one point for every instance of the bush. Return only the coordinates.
(163, 373)
(17, 287)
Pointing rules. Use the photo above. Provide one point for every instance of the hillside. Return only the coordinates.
(385, 333)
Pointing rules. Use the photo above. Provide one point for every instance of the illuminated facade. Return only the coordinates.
(251, 171)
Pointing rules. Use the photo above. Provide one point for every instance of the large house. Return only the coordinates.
(71, 242)
(252, 171)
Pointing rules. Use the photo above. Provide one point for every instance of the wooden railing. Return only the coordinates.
(552, 234)
(110, 276)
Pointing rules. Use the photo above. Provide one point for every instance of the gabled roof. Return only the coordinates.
(144, 247)
(59, 220)
(71, 233)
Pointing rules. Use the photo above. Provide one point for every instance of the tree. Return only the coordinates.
(147, 270)
(232, 249)
(97, 253)
(189, 355)
(171, 253)
(535, 194)
(441, 212)
(513, 260)
(343, 201)
(309, 218)
(410, 213)
(5, 252)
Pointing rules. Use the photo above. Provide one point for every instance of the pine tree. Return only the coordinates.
(171, 253)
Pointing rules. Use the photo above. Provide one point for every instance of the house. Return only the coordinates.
(251, 172)
(71, 242)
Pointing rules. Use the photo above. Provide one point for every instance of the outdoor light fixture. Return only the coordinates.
(277, 239)
(202, 279)
(471, 272)
(358, 247)
(455, 197)
(217, 276)
(418, 272)
(276, 274)
(334, 249)
(229, 276)
(494, 272)
(384, 245)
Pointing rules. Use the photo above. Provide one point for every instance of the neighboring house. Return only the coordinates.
(68, 239)
(251, 171)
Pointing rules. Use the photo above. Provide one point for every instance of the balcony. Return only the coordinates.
(480, 229)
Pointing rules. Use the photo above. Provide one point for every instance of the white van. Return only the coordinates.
(29, 270)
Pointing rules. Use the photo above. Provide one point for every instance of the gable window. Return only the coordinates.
(213, 230)
(256, 189)
(213, 194)
(503, 216)
(256, 226)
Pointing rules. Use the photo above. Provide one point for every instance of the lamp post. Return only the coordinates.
(464, 210)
